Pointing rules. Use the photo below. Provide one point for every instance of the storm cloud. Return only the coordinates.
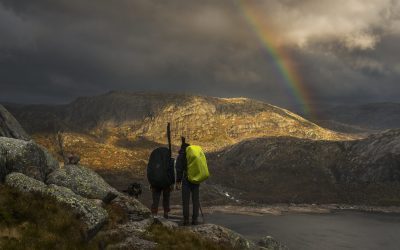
(52, 51)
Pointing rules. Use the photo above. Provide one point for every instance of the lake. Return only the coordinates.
(339, 230)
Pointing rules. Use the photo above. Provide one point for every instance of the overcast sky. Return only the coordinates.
(51, 51)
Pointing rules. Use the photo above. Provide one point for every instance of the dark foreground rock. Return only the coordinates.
(9, 126)
(134, 208)
(269, 243)
(25, 157)
(84, 182)
(223, 236)
(92, 215)
(130, 235)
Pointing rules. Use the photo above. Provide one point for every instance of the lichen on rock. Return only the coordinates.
(223, 235)
(84, 182)
(134, 208)
(21, 156)
(92, 215)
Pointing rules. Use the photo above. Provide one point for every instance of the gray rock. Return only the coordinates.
(137, 228)
(222, 235)
(92, 215)
(133, 242)
(165, 223)
(129, 235)
(270, 243)
(134, 208)
(10, 127)
(51, 162)
(24, 183)
(25, 157)
(84, 182)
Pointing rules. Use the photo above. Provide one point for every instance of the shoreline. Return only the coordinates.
(283, 209)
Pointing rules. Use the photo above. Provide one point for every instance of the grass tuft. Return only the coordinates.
(32, 221)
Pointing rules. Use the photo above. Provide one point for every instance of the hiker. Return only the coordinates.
(156, 194)
(161, 176)
(189, 181)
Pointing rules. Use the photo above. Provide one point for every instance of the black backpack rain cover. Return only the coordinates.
(160, 169)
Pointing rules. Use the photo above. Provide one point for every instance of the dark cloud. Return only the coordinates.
(56, 50)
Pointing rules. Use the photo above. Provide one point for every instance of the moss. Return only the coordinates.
(180, 239)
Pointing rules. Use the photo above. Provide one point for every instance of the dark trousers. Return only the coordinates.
(193, 189)
(156, 193)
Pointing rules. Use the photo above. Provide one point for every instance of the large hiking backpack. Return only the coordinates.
(160, 169)
(197, 169)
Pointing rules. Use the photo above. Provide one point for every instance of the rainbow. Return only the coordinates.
(284, 63)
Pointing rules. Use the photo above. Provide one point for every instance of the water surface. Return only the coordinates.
(340, 230)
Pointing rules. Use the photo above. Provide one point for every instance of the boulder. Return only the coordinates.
(134, 208)
(10, 127)
(129, 235)
(92, 215)
(133, 242)
(25, 157)
(25, 183)
(165, 223)
(137, 228)
(223, 236)
(84, 182)
(270, 243)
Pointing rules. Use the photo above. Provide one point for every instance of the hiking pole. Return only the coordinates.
(202, 215)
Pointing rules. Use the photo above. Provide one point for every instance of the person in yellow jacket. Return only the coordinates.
(188, 188)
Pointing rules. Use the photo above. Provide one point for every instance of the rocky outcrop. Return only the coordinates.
(134, 208)
(92, 215)
(130, 235)
(269, 243)
(25, 157)
(9, 126)
(133, 242)
(222, 235)
(84, 182)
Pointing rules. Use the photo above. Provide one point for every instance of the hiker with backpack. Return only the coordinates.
(191, 170)
(161, 176)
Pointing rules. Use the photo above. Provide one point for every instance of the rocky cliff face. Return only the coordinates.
(284, 169)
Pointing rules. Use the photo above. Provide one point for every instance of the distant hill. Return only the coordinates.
(117, 129)
(367, 118)
(287, 169)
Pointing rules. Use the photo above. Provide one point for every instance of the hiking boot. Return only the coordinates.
(195, 222)
(166, 215)
(186, 222)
